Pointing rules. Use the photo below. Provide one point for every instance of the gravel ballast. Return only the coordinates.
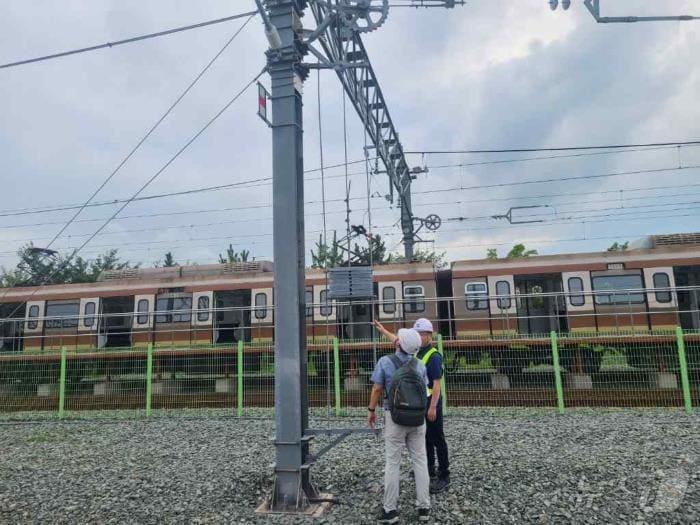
(507, 467)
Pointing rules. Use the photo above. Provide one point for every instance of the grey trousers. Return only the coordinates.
(395, 438)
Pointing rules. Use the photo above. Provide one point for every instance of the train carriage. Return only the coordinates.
(196, 306)
(650, 287)
(646, 288)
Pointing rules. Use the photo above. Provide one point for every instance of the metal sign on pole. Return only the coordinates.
(263, 98)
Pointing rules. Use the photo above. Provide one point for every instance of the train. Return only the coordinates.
(652, 286)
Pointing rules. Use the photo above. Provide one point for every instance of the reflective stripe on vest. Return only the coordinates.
(425, 360)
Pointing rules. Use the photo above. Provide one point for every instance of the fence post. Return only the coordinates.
(149, 378)
(62, 384)
(336, 376)
(683, 362)
(239, 379)
(557, 372)
(443, 389)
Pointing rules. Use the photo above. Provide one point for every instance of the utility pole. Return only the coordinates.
(292, 490)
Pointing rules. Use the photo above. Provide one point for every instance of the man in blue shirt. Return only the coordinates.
(397, 436)
(435, 441)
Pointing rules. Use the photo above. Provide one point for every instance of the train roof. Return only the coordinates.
(671, 239)
(674, 249)
(207, 276)
(196, 270)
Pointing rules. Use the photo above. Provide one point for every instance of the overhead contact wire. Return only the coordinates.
(149, 181)
(126, 41)
(149, 133)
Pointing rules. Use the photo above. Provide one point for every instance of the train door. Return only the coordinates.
(689, 300)
(11, 331)
(114, 329)
(232, 319)
(355, 320)
(541, 306)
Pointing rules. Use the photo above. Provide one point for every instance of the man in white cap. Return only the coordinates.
(408, 342)
(435, 441)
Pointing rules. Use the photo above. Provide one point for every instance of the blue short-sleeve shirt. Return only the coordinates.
(384, 371)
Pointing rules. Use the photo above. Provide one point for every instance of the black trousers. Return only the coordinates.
(435, 444)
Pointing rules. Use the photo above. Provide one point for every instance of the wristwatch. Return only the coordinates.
(371, 409)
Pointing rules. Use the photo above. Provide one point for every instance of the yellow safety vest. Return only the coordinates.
(425, 360)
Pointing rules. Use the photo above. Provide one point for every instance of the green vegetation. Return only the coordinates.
(37, 266)
(330, 255)
(619, 247)
(516, 252)
(232, 256)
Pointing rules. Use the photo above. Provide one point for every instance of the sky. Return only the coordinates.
(488, 75)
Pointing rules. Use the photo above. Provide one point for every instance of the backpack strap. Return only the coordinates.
(397, 362)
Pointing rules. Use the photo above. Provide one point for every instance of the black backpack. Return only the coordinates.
(408, 397)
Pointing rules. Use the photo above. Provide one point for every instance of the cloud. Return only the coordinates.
(491, 74)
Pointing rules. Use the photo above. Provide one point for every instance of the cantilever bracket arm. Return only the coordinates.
(509, 214)
(593, 7)
(340, 433)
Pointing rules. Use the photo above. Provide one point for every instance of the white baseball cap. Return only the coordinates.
(409, 340)
(423, 325)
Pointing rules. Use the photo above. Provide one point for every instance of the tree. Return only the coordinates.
(374, 253)
(519, 250)
(326, 256)
(36, 267)
(617, 247)
(232, 256)
(420, 256)
(167, 262)
(492, 253)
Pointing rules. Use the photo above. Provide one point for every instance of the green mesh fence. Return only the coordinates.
(500, 372)
(652, 369)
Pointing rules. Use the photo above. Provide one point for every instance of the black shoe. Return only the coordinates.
(423, 514)
(440, 485)
(388, 517)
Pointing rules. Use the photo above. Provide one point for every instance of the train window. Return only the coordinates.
(576, 285)
(174, 309)
(89, 318)
(309, 300)
(260, 305)
(415, 299)
(622, 285)
(66, 312)
(503, 288)
(661, 280)
(389, 300)
(476, 294)
(162, 307)
(142, 309)
(203, 309)
(326, 309)
(33, 314)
